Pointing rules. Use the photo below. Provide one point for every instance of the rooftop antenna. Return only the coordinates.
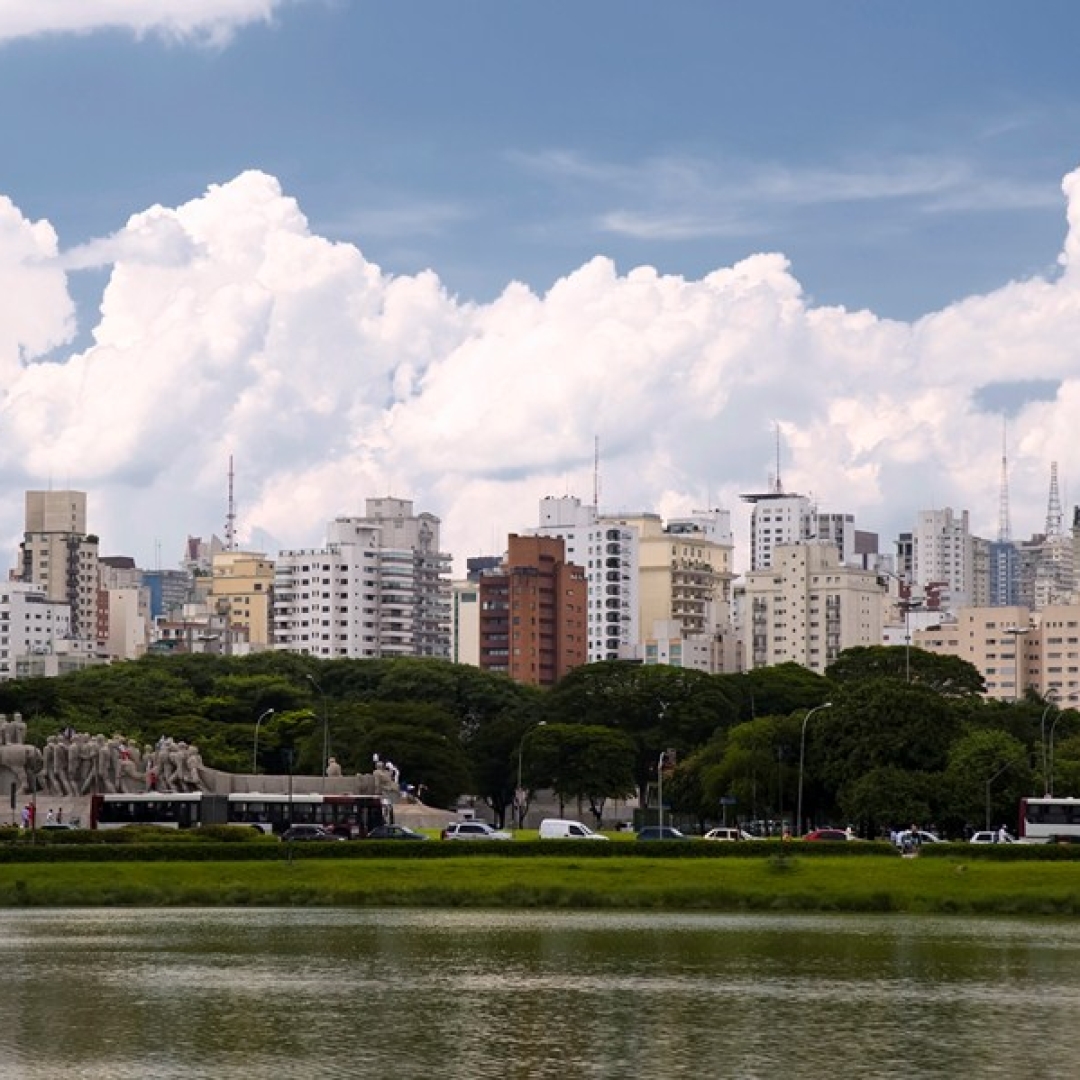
(230, 516)
(1053, 508)
(1004, 527)
(778, 484)
(596, 474)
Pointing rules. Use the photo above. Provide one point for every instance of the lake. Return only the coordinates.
(242, 995)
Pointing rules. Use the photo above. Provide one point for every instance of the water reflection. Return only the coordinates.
(228, 994)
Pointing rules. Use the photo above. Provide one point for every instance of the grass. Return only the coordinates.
(820, 884)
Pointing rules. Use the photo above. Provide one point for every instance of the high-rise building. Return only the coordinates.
(807, 608)
(241, 591)
(533, 613)
(33, 628)
(607, 552)
(380, 587)
(944, 555)
(58, 554)
(777, 519)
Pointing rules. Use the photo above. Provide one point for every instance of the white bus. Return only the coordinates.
(1049, 820)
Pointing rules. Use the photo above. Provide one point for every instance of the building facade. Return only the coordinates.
(533, 613)
(380, 587)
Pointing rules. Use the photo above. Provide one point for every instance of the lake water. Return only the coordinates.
(304, 995)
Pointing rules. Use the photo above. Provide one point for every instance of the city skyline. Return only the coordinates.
(440, 252)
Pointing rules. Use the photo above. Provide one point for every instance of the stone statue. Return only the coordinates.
(333, 768)
(16, 730)
(26, 762)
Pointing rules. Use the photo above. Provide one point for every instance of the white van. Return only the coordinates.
(559, 829)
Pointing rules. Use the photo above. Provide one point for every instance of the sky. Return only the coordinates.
(443, 251)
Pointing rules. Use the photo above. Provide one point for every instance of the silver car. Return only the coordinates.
(473, 830)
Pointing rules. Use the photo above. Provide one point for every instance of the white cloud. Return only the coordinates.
(229, 328)
(211, 21)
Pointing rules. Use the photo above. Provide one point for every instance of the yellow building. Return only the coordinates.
(241, 590)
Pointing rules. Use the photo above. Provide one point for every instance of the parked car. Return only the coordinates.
(562, 829)
(909, 839)
(58, 826)
(991, 836)
(727, 834)
(473, 830)
(826, 834)
(658, 832)
(309, 832)
(395, 832)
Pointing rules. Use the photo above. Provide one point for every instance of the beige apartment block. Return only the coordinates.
(1016, 651)
(806, 608)
(241, 588)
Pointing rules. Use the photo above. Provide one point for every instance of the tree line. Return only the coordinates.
(888, 736)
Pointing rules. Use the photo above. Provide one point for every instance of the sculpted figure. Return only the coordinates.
(192, 769)
(26, 762)
(3, 729)
(61, 767)
(16, 730)
(333, 768)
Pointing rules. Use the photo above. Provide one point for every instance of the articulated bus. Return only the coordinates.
(1049, 820)
(353, 816)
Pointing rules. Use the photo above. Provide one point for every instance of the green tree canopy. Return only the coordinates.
(947, 675)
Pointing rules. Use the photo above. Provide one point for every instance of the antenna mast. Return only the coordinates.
(1053, 508)
(230, 516)
(596, 475)
(778, 484)
(1004, 526)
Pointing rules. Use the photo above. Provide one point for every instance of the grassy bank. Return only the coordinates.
(876, 884)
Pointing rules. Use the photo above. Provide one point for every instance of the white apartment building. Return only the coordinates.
(944, 554)
(31, 625)
(807, 608)
(380, 587)
(608, 553)
(58, 554)
(777, 519)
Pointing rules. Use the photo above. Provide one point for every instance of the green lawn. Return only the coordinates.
(873, 884)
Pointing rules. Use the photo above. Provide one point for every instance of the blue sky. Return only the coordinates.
(906, 160)
(901, 155)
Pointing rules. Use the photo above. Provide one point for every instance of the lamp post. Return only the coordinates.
(1050, 702)
(802, 759)
(1007, 765)
(908, 606)
(519, 791)
(255, 748)
(660, 791)
(1050, 788)
(325, 729)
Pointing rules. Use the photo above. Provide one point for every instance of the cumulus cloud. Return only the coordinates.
(229, 328)
(212, 21)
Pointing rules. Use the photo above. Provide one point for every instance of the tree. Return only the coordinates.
(658, 707)
(580, 762)
(988, 773)
(948, 675)
(887, 797)
(777, 690)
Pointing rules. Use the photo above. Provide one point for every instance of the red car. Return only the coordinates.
(826, 834)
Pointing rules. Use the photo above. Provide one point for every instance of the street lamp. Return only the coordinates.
(1050, 789)
(519, 791)
(1050, 702)
(1007, 765)
(802, 759)
(660, 788)
(908, 606)
(325, 729)
(255, 749)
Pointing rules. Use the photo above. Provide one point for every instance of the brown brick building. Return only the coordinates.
(533, 613)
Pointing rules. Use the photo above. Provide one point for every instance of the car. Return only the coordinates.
(915, 838)
(473, 830)
(990, 836)
(58, 826)
(564, 829)
(727, 834)
(395, 832)
(309, 832)
(826, 834)
(661, 832)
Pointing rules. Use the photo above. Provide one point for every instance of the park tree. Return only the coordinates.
(888, 798)
(776, 690)
(947, 675)
(583, 763)
(988, 773)
(656, 706)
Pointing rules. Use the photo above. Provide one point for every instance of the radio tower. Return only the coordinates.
(1004, 527)
(230, 516)
(1053, 507)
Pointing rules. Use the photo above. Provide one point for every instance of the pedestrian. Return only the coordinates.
(50, 818)
(60, 816)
